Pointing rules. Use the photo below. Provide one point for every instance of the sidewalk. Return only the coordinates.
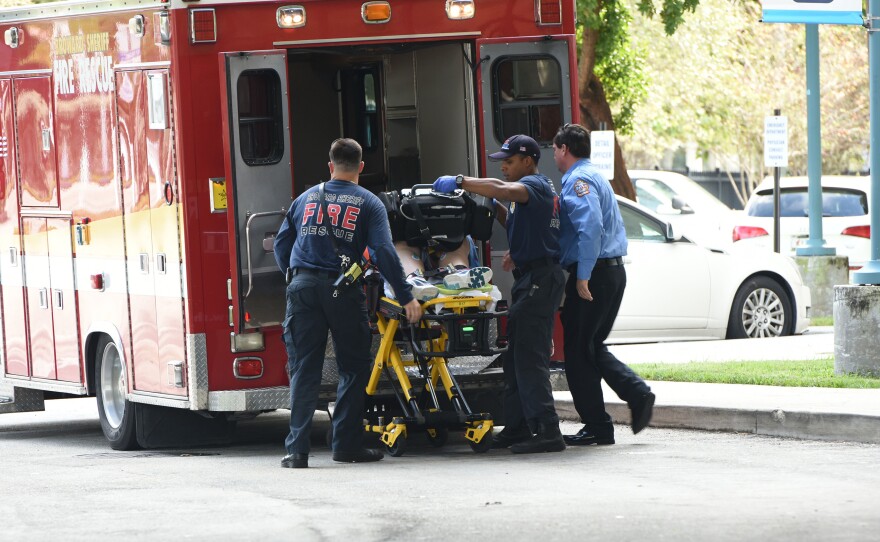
(806, 413)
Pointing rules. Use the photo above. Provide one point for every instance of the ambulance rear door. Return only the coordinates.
(526, 86)
(258, 181)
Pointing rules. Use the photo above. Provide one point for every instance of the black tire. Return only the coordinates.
(116, 413)
(439, 438)
(398, 448)
(761, 308)
(484, 445)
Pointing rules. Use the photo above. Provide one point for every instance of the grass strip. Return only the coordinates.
(804, 374)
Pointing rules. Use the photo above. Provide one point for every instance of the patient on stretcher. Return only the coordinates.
(455, 272)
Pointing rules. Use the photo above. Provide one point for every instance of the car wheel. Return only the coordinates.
(761, 308)
(114, 410)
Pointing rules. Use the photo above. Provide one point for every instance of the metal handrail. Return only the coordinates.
(247, 236)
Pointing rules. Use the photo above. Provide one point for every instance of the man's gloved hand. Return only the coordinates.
(445, 184)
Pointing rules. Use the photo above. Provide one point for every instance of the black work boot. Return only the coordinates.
(548, 439)
(511, 435)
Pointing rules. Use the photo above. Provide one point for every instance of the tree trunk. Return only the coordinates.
(595, 109)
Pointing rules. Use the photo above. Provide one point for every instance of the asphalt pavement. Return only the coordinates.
(807, 413)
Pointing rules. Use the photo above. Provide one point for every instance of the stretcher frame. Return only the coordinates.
(461, 328)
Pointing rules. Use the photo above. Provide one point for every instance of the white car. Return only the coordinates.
(680, 290)
(845, 221)
(681, 201)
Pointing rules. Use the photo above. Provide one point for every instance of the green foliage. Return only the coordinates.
(807, 374)
(712, 83)
(618, 63)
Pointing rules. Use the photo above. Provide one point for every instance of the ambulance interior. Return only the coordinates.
(410, 106)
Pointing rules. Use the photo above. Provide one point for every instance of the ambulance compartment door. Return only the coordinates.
(525, 87)
(259, 182)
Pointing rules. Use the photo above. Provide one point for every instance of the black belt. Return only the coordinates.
(608, 262)
(600, 263)
(531, 265)
(317, 272)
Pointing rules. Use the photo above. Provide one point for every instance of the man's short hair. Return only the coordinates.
(346, 154)
(576, 138)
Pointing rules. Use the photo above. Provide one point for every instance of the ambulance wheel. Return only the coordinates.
(398, 448)
(115, 411)
(439, 438)
(483, 446)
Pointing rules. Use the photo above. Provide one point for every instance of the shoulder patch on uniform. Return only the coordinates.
(581, 187)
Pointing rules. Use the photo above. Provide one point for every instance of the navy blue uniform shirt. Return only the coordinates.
(357, 219)
(533, 227)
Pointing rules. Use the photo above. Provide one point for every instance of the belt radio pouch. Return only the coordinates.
(350, 271)
(288, 275)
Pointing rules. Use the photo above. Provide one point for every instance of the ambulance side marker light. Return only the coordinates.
(12, 37)
(291, 17)
(247, 342)
(164, 27)
(136, 26)
(247, 368)
(460, 9)
(97, 281)
(376, 12)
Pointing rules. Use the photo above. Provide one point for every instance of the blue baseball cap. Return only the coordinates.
(518, 144)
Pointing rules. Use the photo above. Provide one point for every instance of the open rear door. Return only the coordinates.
(527, 86)
(258, 180)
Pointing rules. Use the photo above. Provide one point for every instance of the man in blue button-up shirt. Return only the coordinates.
(593, 241)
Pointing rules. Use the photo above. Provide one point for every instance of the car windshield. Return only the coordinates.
(794, 202)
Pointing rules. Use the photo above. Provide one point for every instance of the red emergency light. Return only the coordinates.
(247, 368)
(548, 12)
(202, 25)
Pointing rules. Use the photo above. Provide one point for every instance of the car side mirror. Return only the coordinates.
(681, 205)
(671, 235)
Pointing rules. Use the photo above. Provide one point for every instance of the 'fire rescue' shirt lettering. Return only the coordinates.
(357, 220)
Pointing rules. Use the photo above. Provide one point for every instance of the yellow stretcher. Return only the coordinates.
(460, 329)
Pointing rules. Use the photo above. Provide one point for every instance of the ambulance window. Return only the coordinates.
(369, 117)
(528, 97)
(259, 117)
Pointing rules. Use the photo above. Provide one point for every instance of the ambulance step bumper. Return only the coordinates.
(14, 399)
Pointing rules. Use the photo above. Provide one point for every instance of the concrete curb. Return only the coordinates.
(776, 423)
(674, 412)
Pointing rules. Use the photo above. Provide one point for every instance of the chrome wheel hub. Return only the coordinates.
(763, 314)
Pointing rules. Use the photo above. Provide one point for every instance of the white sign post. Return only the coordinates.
(602, 151)
(775, 141)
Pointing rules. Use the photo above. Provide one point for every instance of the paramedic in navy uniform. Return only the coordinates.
(593, 243)
(358, 219)
(532, 223)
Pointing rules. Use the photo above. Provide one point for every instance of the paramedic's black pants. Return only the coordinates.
(586, 325)
(311, 312)
(528, 396)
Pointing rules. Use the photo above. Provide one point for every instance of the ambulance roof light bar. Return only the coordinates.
(460, 9)
(291, 16)
(376, 12)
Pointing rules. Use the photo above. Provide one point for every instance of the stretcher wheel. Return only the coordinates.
(439, 438)
(483, 446)
(398, 448)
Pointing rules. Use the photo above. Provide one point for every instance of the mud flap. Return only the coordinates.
(14, 399)
(164, 427)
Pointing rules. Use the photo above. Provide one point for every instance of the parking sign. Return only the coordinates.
(602, 151)
(775, 141)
